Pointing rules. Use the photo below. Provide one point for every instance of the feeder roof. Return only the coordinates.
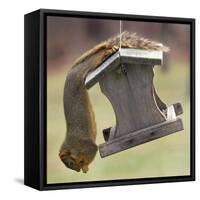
(124, 56)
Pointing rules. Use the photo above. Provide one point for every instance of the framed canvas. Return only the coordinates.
(109, 99)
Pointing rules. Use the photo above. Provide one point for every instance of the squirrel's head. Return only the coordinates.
(73, 161)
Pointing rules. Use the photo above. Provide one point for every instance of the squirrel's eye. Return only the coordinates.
(81, 162)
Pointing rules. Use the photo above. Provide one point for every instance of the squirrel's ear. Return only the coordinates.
(64, 153)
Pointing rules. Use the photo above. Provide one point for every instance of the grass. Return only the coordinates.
(168, 156)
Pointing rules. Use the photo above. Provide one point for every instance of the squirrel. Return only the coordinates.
(79, 148)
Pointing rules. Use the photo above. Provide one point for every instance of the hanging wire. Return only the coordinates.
(123, 68)
(120, 36)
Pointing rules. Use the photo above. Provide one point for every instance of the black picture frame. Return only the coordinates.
(35, 87)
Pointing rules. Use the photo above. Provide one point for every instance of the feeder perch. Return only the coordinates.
(126, 79)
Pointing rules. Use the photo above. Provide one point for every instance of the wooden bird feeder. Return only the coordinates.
(126, 79)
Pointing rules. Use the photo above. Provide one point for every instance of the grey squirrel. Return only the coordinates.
(79, 147)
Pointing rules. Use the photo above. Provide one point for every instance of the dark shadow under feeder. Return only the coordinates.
(126, 79)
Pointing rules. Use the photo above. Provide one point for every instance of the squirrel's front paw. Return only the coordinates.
(85, 168)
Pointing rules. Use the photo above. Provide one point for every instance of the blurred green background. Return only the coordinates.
(168, 156)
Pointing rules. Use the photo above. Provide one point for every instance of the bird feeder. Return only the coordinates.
(126, 79)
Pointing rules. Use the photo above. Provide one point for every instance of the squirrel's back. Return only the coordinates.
(125, 40)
